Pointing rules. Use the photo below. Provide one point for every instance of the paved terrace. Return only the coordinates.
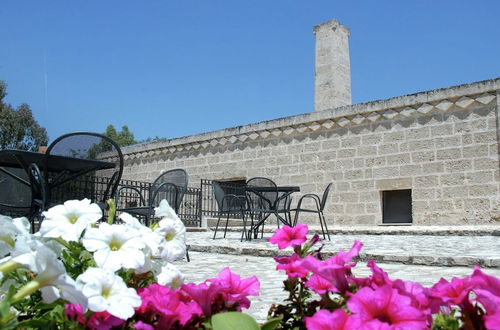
(423, 254)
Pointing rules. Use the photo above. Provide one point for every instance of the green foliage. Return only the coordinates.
(240, 321)
(446, 322)
(76, 259)
(233, 320)
(18, 127)
(123, 138)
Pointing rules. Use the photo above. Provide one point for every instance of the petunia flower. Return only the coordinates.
(337, 269)
(51, 279)
(319, 285)
(383, 307)
(10, 229)
(291, 265)
(107, 291)
(162, 307)
(289, 236)
(236, 289)
(487, 290)
(326, 320)
(69, 220)
(454, 292)
(103, 321)
(165, 211)
(172, 243)
(115, 246)
(75, 312)
(170, 276)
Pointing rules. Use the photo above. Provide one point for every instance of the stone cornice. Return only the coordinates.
(435, 101)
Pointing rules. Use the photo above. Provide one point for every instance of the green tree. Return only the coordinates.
(18, 128)
(123, 138)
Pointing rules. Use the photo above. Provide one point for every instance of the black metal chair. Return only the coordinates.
(319, 204)
(170, 185)
(22, 193)
(260, 204)
(229, 204)
(283, 206)
(95, 181)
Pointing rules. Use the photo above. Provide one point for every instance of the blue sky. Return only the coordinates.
(172, 68)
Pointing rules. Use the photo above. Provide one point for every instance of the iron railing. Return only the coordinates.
(197, 202)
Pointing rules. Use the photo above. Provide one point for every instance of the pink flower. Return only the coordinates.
(103, 321)
(202, 294)
(319, 285)
(486, 282)
(384, 307)
(143, 326)
(236, 290)
(291, 265)
(454, 292)
(487, 290)
(325, 320)
(379, 277)
(75, 311)
(335, 269)
(163, 307)
(289, 236)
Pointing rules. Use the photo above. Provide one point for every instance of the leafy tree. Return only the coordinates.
(122, 138)
(18, 128)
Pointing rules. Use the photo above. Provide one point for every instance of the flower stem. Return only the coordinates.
(111, 211)
(26, 290)
(62, 242)
(9, 266)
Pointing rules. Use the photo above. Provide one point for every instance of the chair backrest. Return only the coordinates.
(325, 195)
(234, 201)
(170, 185)
(88, 183)
(264, 200)
(15, 192)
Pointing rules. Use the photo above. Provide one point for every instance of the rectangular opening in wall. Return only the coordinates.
(396, 206)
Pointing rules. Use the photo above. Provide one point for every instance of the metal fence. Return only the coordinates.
(94, 188)
(197, 202)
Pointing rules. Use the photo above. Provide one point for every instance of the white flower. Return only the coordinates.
(51, 278)
(115, 246)
(64, 287)
(172, 233)
(69, 220)
(10, 229)
(170, 276)
(26, 251)
(8, 233)
(165, 211)
(107, 291)
(151, 239)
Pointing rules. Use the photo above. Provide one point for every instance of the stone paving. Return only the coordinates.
(424, 257)
(433, 246)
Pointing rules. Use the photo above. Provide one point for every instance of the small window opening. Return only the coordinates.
(396, 206)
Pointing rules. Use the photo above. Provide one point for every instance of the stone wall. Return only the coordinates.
(441, 144)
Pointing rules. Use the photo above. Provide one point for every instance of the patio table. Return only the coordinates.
(286, 190)
(64, 168)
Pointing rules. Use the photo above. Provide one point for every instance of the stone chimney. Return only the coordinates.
(332, 83)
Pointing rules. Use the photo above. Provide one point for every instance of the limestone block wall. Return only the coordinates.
(441, 144)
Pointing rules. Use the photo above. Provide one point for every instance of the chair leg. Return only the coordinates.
(217, 225)
(244, 232)
(227, 221)
(322, 216)
(321, 224)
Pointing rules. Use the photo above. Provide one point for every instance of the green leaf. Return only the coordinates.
(233, 320)
(271, 324)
